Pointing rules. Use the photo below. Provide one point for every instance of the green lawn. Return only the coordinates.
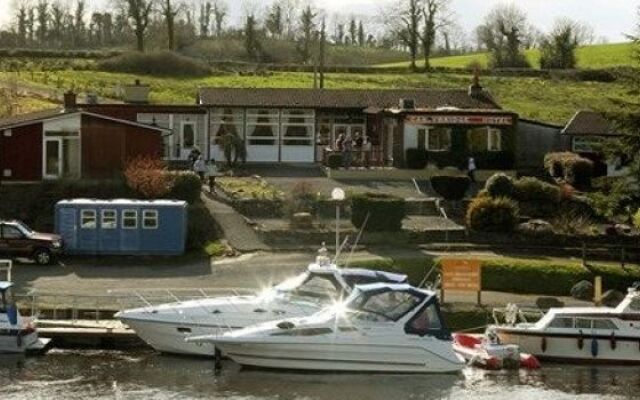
(596, 56)
(544, 99)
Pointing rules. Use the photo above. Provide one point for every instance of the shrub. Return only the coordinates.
(162, 63)
(500, 185)
(571, 224)
(416, 159)
(302, 198)
(185, 186)
(334, 160)
(492, 214)
(636, 219)
(386, 212)
(571, 167)
(451, 187)
(615, 198)
(148, 176)
(533, 189)
(201, 227)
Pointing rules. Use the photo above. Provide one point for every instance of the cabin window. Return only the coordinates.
(439, 139)
(605, 324)
(583, 323)
(88, 219)
(150, 219)
(129, 219)
(390, 305)
(109, 219)
(561, 323)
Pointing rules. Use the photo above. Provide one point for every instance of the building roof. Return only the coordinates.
(590, 123)
(39, 116)
(342, 98)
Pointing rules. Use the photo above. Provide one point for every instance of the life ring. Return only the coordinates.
(543, 344)
(581, 341)
(613, 341)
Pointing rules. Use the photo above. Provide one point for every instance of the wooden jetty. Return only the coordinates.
(103, 334)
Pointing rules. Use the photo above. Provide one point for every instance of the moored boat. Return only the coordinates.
(18, 335)
(599, 335)
(485, 352)
(382, 328)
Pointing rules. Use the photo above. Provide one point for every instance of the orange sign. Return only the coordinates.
(463, 275)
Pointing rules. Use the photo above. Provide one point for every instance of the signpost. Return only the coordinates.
(462, 275)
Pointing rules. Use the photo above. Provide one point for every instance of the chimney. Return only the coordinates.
(70, 101)
(136, 93)
(476, 90)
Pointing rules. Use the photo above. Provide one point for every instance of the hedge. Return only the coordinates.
(185, 186)
(522, 276)
(385, 212)
(334, 160)
(451, 187)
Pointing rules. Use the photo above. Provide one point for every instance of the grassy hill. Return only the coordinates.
(550, 100)
(596, 56)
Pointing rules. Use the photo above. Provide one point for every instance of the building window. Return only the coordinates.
(422, 139)
(298, 127)
(586, 145)
(188, 134)
(129, 219)
(109, 219)
(88, 219)
(439, 139)
(263, 127)
(484, 139)
(150, 219)
(494, 139)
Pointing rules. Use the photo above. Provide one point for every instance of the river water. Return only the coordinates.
(146, 375)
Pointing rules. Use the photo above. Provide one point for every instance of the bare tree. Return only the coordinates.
(170, 10)
(43, 21)
(220, 11)
(403, 20)
(139, 12)
(436, 16)
(503, 34)
(22, 22)
(78, 24)
(307, 30)
(322, 51)
(206, 8)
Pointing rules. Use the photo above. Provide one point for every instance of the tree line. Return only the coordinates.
(421, 28)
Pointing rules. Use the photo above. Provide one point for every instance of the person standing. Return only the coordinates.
(339, 143)
(200, 167)
(471, 168)
(347, 148)
(212, 172)
(366, 150)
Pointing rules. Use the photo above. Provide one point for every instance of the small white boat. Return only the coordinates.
(166, 326)
(385, 328)
(486, 352)
(600, 335)
(18, 335)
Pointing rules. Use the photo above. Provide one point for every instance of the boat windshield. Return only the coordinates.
(390, 305)
(317, 286)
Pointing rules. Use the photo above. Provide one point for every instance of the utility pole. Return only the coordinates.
(323, 39)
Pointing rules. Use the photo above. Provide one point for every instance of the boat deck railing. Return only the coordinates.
(52, 305)
(512, 315)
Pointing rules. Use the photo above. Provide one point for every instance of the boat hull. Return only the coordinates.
(345, 357)
(566, 347)
(10, 344)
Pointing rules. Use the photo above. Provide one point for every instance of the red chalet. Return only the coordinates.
(72, 143)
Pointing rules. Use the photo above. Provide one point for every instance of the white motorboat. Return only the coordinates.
(18, 335)
(580, 334)
(386, 328)
(165, 327)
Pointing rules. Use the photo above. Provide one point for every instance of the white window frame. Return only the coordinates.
(431, 129)
(195, 134)
(490, 138)
(153, 214)
(251, 121)
(91, 214)
(309, 117)
(124, 218)
(103, 216)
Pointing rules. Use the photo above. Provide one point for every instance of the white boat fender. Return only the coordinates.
(594, 347)
(543, 344)
(19, 340)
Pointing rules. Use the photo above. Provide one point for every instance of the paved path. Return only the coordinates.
(234, 227)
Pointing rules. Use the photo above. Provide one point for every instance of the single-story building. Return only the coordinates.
(72, 143)
(587, 133)
(535, 140)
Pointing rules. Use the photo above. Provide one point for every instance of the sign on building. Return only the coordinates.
(459, 120)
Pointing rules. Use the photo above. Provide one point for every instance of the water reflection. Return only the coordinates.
(108, 375)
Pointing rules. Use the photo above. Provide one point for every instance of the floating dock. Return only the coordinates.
(103, 334)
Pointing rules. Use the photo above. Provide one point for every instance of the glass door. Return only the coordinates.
(53, 158)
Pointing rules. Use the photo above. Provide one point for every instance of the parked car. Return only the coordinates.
(18, 240)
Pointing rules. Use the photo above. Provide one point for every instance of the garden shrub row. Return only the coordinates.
(571, 167)
(385, 212)
(548, 278)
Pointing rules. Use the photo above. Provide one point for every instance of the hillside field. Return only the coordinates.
(543, 99)
(596, 56)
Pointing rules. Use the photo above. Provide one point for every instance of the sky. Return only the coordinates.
(610, 18)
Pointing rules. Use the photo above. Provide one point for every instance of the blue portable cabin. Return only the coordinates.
(122, 227)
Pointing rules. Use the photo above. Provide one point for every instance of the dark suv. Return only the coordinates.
(18, 240)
